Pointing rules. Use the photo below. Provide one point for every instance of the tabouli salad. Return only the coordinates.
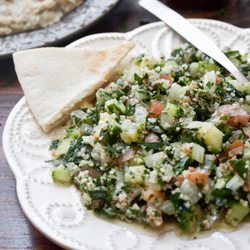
(170, 137)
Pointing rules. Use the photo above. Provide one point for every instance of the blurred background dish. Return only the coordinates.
(22, 15)
(75, 22)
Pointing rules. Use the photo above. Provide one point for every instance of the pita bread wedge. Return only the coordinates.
(56, 80)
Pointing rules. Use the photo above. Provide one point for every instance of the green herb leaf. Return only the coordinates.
(117, 93)
(228, 133)
(104, 94)
(161, 89)
(113, 151)
(54, 145)
(223, 197)
(181, 165)
(101, 193)
(146, 93)
(120, 82)
(130, 109)
(155, 146)
(239, 167)
(226, 117)
(138, 79)
(96, 115)
(138, 59)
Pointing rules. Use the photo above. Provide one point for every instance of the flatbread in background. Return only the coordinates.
(56, 80)
(22, 15)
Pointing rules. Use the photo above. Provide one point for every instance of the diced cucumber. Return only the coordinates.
(134, 175)
(191, 190)
(140, 114)
(63, 147)
(155, 159)
(129, 75)
(169, 66)
(115, 106)
(189, 220)
(111, 133)
(98, 95)
(235, 183)
(137, 61)
(86, 129)
(149, 61)
(193, 124)
(103, 95)
(126, 124)
(175, 92)
(236, 213)
(207, 67)
(246, 155)
(137, 161)
(236, 62)
(167, 207)
(212, 136)
(77, 116)
(247, 87)
(194, 68)
(176, 147)
(208, 163)
(236, 84)
(89, 120)
(61, 174)
(198, 153)
(134, 133)
(171, 63)
(247, 108)
(75, 132)
(171, 109)
(166, 120)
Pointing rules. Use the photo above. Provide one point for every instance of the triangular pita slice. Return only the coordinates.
(55, 80)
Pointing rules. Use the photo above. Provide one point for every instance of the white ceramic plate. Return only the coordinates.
(55, 210)
(71, 24)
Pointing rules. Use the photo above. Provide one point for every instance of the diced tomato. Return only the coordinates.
(193, 85)
(156, 109)
(218, 79)
(240, 115)
(151, 195)
(236, 148)
(165, 76)
(107, 88)
(200, 178)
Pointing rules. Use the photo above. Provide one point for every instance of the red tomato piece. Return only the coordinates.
(236, 148)
(166, 77)
(199, 178)
(218, 79)
(107, 88)
(156, 109)
(240, 115)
